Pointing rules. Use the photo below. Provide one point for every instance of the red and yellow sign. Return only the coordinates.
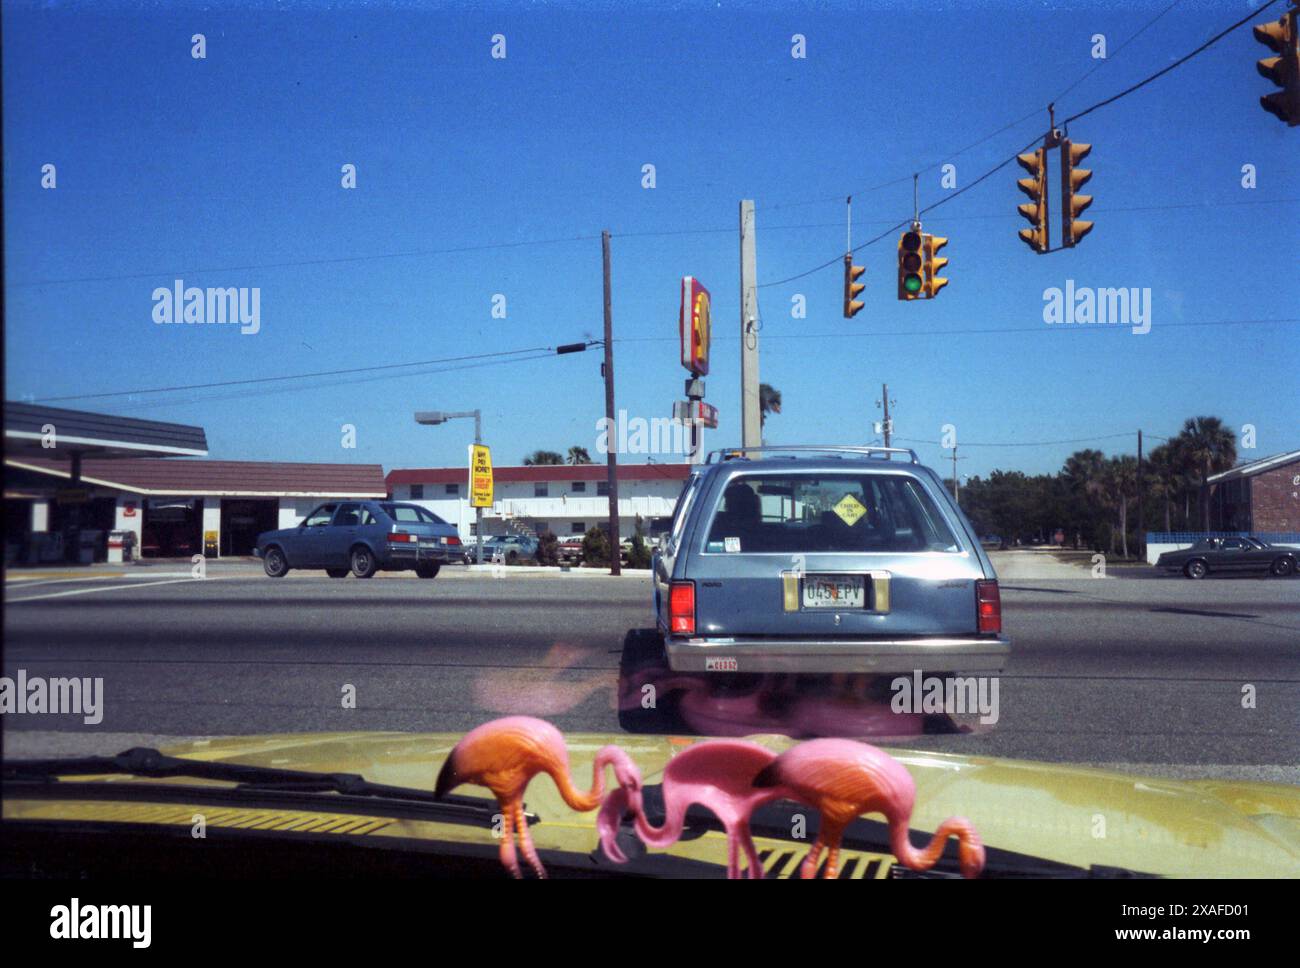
(480, 476)
(694, 325)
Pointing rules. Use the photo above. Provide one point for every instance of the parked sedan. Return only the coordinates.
(510, 547)
(836, 561)
(1230, 556)
(362, 537)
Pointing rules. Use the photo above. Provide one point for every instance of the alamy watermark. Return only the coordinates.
(59, 696)
(190, 304)
(953, 695)
(639, 435)
(1084, 305)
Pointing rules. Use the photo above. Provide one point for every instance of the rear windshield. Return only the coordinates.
(792, 513)
(411, 514)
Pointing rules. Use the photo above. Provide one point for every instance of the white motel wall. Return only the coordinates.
(567, 500)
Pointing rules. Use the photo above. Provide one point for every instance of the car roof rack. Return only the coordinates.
(733, 453)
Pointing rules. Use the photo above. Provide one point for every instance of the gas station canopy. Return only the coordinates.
(57, 434)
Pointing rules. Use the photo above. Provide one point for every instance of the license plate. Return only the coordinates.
(429, 543)
(834, 591)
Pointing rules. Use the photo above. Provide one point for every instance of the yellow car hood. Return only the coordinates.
(1071, 815)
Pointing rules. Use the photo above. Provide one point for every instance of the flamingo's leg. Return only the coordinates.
(832, 863)
(526, 842)
(809, 868)
(508, 859)
(751, 852)
(733, 855)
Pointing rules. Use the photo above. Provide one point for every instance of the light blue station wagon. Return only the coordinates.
(824, 560)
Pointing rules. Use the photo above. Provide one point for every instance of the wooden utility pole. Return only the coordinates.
(611, 451)
(955, 497)
(884, 395)
(751, 420)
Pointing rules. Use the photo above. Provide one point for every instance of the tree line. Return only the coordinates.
(1093, 498)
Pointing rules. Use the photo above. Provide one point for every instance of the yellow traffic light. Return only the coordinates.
(1036, 188)
(910, 281)
(851, 287)
(931, 244)
(1074, 228)
(1283, 70)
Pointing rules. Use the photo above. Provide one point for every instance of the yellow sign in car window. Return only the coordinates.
(480, 476)
(849, 509)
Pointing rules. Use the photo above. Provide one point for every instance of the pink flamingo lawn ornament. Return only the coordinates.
(718, 774)
(505, 754)
(844, 779)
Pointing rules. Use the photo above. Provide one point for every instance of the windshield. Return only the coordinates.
(670, 371)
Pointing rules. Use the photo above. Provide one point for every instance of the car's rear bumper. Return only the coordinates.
(876, 656)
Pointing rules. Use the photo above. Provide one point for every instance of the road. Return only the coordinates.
(1147, 675)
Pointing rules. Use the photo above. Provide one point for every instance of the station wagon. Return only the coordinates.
(823, 560)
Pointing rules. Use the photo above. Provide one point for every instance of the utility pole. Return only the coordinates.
(888, 427)
(615, 560)
(751, 432)
(1141, 535)
(955, 496)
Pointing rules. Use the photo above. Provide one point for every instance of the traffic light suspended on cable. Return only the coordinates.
(1073, 178)
(1283, 39)
(930, 246)
(1035, 187)
(851, 287)
(910, 262)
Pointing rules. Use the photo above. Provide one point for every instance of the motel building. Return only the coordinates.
(566, 499)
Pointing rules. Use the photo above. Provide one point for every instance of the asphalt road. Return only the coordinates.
(1145, 675)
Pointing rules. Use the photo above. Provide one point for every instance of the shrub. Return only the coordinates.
(639, 555)
(548, 549)
(595, 548)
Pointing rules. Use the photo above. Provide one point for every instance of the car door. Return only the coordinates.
(1233, 557)
(309, 543)
(342, 535)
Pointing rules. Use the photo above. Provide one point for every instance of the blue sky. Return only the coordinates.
(220, 171)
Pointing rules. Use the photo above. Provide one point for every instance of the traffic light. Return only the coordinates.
(1036, 188)
(930, 246)
(1283, 70)
(1072, 204)
(852, 288)
(910, 281)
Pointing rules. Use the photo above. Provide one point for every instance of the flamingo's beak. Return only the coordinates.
(448, 778)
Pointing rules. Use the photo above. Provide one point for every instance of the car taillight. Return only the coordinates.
(400, 537)
(453, 541)
(988, 603)
(681, 607)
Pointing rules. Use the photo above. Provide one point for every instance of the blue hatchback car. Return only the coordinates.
(362, 537)
(824, 560)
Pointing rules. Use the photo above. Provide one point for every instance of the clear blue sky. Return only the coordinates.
(217, 170)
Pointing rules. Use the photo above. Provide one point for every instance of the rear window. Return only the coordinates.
(794, 513)
(411, 514)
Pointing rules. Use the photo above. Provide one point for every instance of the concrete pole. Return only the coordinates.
(751, 430)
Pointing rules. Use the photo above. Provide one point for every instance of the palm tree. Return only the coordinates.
(1162, 477)
(1210, 447)
(769, 401)
(1121, 474)
(579, 455)
(543, 457)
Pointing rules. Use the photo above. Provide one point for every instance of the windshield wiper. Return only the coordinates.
(776, 821)
(350, 791)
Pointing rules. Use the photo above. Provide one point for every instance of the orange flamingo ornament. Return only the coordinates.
(844, 779)
(504, 755)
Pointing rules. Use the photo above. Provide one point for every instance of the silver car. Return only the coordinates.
(824, 560)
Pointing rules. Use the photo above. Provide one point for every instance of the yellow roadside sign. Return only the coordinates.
(480, 476)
